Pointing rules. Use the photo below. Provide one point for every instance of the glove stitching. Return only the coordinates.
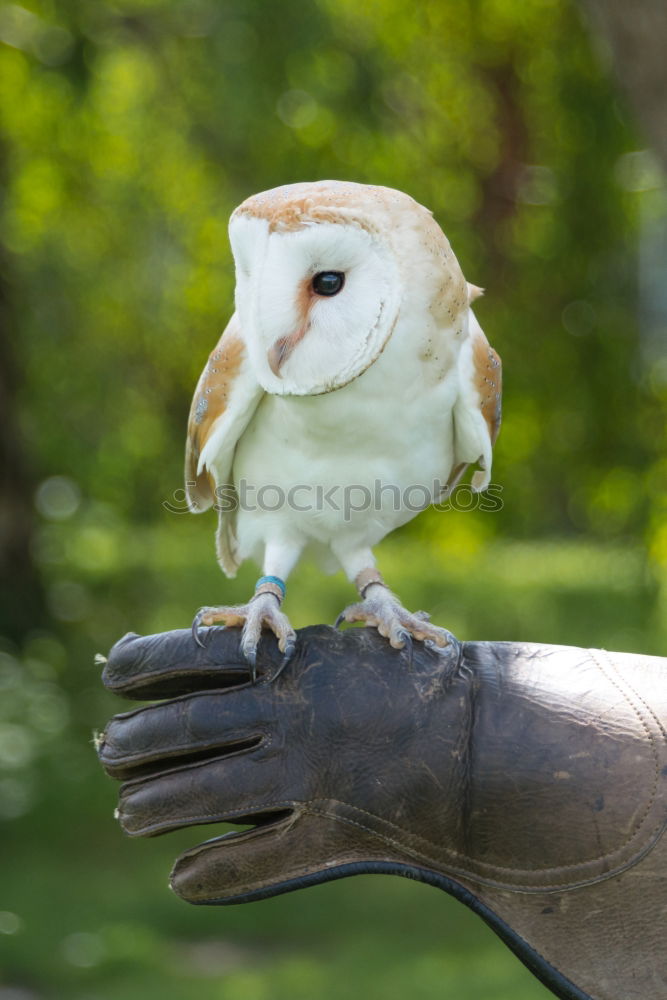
(413, 852)
(629, 686)
(310, 809)
(597, 659)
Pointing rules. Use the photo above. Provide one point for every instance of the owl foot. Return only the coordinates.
(381, 609)
(262, 611)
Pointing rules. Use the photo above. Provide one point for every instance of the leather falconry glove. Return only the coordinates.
(528, 781)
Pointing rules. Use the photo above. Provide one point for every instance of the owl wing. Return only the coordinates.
(478, 408)
(224, 402)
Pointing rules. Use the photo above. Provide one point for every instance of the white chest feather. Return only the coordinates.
(360, 460)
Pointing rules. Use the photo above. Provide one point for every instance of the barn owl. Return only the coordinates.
(353, 366)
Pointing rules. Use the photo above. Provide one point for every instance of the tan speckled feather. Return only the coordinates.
(225, 399)
(209, 403)
(488, 382)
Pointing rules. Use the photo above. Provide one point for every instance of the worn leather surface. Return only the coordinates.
(528, 780)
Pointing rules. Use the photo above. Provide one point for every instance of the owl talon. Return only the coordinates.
(290, 649)
(448, 639)
(381, 610)
(196, 626)
(250, 656)
(339, 621)
(405, 638)
(407, 645)
(263, 611)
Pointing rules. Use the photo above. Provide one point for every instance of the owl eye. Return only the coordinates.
(328, 282)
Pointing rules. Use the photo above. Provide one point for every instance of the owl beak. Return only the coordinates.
(282, 349)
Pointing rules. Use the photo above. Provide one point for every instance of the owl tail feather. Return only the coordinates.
(480, 480)
(226, 548)
(482, 477)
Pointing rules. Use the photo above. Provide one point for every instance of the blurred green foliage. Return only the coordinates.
(130, 130)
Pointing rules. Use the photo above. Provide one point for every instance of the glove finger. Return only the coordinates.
(161, 735)
(280, 854)
(226, 788)
(171, 663)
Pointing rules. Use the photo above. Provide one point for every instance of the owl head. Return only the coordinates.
(323, 271)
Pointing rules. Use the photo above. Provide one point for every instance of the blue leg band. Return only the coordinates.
(271, 579)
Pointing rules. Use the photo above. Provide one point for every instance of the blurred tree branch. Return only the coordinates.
(636, 34)
(22, 601)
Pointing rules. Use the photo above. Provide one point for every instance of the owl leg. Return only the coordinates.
(261, 611)
(382, 609)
